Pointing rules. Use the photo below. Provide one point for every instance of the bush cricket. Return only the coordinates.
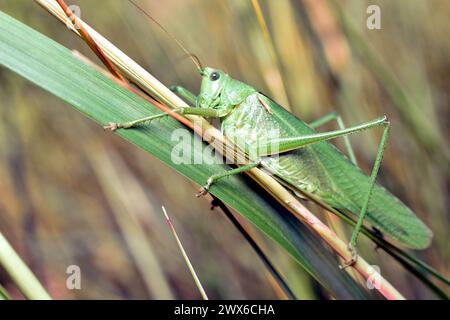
(306, 163)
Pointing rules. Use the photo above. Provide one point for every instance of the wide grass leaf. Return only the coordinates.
(55, 69)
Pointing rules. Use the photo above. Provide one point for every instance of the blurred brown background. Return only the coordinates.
(71, 194)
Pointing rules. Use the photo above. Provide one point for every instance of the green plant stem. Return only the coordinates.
(22, 276)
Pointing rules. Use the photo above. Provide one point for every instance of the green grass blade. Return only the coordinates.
(4, 295)
(19, 272)
(54, 68)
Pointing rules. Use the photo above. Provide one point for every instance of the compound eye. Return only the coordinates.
(214, 76)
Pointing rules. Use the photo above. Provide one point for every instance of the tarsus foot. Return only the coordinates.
(205, 189)
(113, 126)
(353, 259)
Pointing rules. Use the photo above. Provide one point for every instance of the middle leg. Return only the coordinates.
(185, 94)
(214, 178)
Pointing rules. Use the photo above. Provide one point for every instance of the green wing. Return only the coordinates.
(323, 171)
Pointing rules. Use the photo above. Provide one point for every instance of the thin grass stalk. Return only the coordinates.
(185, 256)
(155, 88)
(279, 88)
(19, 272)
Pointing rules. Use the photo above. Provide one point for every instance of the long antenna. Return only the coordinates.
(193, 57)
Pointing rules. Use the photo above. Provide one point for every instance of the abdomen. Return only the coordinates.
(322, 170)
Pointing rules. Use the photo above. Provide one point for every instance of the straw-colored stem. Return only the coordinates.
(150, 84)
(19, 272)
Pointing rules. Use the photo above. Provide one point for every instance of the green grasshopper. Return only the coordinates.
(306, 162)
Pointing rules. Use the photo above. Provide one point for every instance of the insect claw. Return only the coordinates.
(113, 126)
(205, 189)
(353, 259)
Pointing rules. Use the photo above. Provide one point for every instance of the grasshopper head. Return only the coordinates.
(213, 81)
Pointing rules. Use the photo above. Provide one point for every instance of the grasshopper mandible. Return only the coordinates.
(306, 162)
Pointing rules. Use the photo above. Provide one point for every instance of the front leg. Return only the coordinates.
(203, 112)
(113, 126)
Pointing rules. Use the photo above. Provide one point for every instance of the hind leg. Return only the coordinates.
(292, 143)
(334, 116)
(373, 179)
